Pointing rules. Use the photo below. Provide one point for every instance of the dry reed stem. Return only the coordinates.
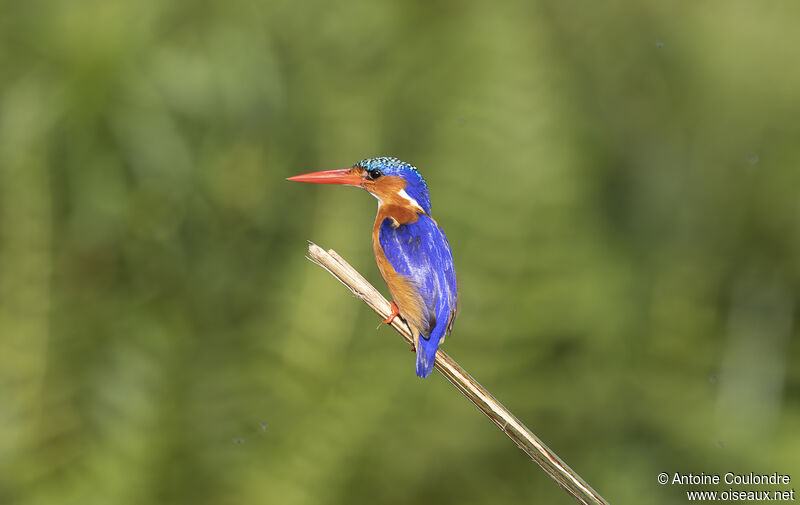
(458, 377)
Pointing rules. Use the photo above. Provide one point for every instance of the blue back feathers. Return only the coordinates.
(417, 188)
(420, 252)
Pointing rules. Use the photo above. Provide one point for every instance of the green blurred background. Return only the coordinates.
(619, 182)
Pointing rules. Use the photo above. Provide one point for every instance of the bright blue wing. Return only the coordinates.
(420, 251)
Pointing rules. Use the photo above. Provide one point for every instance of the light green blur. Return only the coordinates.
(619, 181)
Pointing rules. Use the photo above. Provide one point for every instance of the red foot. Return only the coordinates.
(395, 313)
(413, 349)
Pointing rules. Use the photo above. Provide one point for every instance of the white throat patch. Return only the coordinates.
(402, 193)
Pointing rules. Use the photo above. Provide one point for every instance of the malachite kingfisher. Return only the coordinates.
(412, 252)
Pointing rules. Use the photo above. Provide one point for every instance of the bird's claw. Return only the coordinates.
(395, 313)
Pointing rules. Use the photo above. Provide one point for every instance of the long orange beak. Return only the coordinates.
(342, 176)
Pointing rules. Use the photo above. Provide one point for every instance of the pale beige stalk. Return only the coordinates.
(458, 377)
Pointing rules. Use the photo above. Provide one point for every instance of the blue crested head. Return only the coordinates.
(416, 186)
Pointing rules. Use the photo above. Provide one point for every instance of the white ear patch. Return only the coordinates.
(402, 193)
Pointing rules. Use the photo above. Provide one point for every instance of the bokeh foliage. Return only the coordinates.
(619, 182)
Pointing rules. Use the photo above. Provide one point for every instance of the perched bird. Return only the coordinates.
(412, 253)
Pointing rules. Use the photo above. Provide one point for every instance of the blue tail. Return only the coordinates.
(426, 355)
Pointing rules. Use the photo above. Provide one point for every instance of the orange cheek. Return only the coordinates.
(386, 188)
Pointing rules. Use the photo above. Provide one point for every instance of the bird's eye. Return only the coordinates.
(374, 173)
